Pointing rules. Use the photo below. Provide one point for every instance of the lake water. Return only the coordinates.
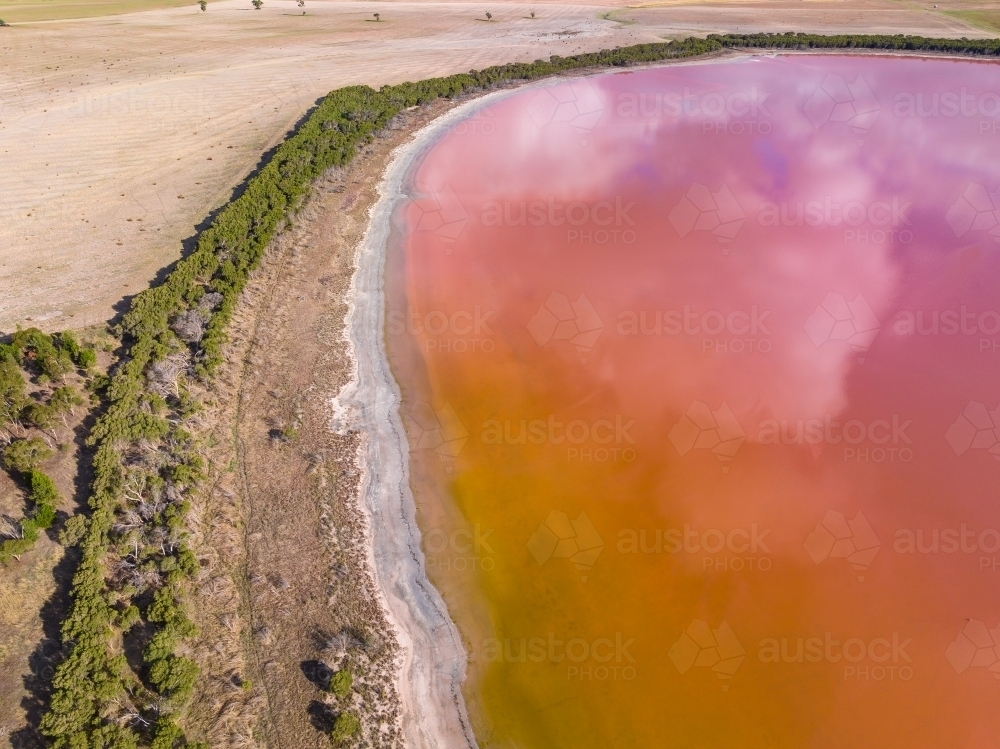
(700, 371)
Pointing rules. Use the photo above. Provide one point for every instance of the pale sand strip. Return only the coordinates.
(432, 667)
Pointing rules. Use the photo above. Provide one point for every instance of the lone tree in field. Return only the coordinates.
(377, 17)
(257, 4)
(489, 16)
(532, 14)
(203, 4)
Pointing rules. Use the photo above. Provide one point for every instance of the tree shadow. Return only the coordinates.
(49, 652)
(318, 673)
(321, 716)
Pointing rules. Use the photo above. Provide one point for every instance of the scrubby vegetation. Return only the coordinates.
(340, 683)
(43, 498)
(346, 727)
(135, 562)
(34, 400)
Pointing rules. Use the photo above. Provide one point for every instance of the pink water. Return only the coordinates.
(699, 366)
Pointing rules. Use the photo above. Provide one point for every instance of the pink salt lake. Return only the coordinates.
(699, 367)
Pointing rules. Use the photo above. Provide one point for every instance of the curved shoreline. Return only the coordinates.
(432, 666)
(433, 659)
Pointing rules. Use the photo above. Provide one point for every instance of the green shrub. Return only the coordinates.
(44, 497)
(40, 351)
(174, 677)
(43, 489)
(15, 547)
(87, 358)
(64, 399)
(98, 383)
(128, 618)
(345, 727)
(73, 531)
(24, 455)
(166, 734)
(340, 683)
(12, 390)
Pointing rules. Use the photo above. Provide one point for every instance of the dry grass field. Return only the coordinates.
(119, 134)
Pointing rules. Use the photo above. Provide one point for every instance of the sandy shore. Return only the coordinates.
(433, 660)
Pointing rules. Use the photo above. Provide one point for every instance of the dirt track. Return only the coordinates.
(118, 135)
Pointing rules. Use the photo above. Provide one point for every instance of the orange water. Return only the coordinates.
(684, 427)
